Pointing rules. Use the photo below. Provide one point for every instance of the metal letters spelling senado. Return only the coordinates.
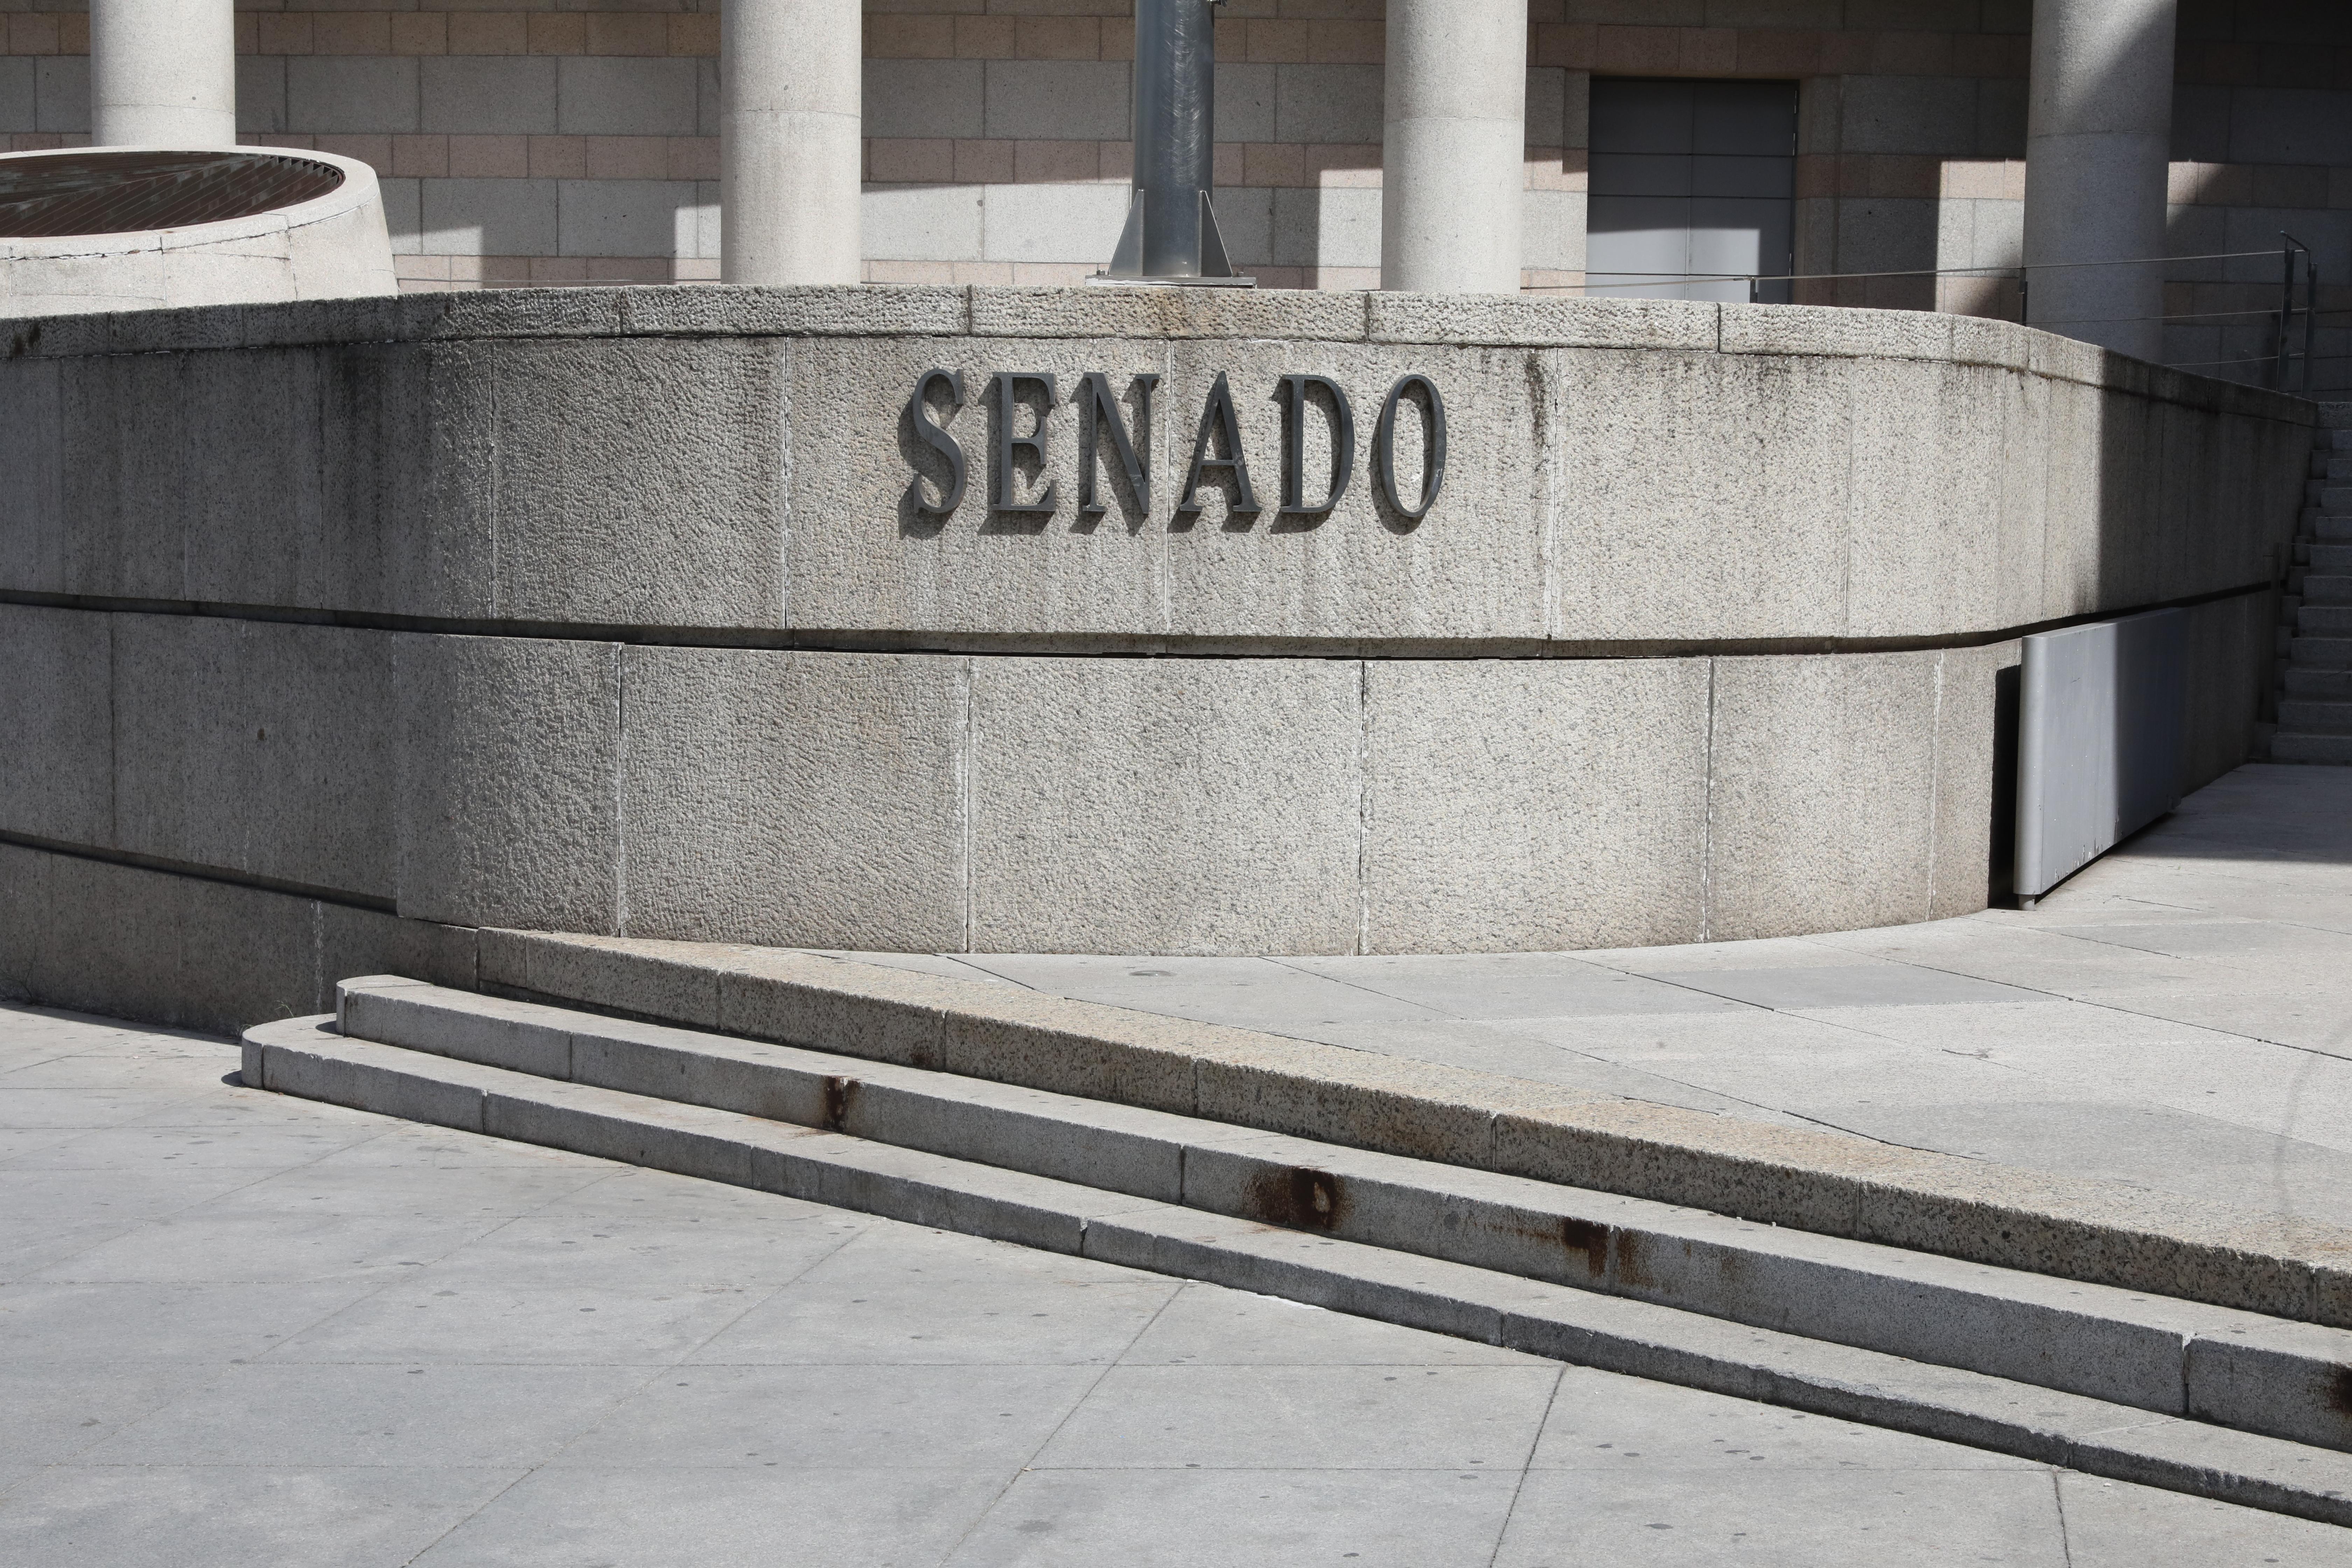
(1216, 444)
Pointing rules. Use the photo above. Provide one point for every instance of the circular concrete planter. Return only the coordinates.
(128, 228)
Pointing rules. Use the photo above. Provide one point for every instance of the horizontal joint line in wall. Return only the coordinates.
(1081, 644)
(201, 873)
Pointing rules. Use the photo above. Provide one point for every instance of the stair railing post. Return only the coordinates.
(2287, 304)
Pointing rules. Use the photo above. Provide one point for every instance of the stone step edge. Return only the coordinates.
(2236, 1368)
(305, 1059)
(1834, 1183)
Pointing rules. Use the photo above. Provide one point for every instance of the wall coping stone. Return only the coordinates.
(985, 311)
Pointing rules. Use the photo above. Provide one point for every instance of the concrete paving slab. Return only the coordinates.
(18, 1141)
(51, 1070)
(166, 1516)
(31, 1242)
(288, 1249)
(204, 1323)
(2270, 1088)
(1789, 988)
(2053, 1025)
(1510, 1047)
(569, 1324)
(1932, 1518)
(837, 1416)
(709, 1517)
(135, 1462)
(18, 1055)
(1079, 1518)
(2221, 942)
(81, 1107)
(60, 1410)
(357, 1190)
(1603, 1421)
(658, 1198)
(268, 1149)
(2195, 1156)
(544, 1250)
(1639, 1041)
(1249, 993)
(1512, 986)
(294, 1416)
(1313, 1417)
(925, 1296)
(2110, 1524)
(119, 1193)
(1808, 1082)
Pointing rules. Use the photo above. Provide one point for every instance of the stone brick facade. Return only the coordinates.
(575, 141)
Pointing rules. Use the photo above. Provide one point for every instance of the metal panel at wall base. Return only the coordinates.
(2100, 742)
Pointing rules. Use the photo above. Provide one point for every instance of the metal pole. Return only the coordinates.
(1172, 227)
(2287, 304)
(2310, 312)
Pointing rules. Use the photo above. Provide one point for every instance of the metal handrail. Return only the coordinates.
(2286, 311)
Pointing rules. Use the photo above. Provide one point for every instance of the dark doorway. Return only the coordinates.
(1691, 177)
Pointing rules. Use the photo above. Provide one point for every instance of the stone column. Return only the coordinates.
(2098, 135)
(790, 122)
(1454, 145)
(162, 73)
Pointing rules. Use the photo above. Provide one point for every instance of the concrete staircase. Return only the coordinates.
(2164, 1387)
(2315, 699)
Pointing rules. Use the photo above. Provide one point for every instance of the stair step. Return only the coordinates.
(2323, 621)
(2332, 530)
(2319, 685)
(2327, 588)
(2298, 748)
(2328, 557)
(1313, 1257)
(2303, 716)
(2097, 1341)
(2321, 653)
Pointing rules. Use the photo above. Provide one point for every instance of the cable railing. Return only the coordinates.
(2298, 266)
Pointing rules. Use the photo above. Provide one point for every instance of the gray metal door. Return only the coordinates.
(1691, 177)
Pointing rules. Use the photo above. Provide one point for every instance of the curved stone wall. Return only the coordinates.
(123, 228)
(611, 612)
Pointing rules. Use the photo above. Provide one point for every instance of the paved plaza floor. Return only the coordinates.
(2179, 1015)
(242, 1331)
(245, 1330)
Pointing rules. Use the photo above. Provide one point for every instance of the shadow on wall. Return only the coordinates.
(664, 220)
(2158, 464)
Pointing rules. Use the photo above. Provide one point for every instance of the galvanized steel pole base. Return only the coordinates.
(1172, 234)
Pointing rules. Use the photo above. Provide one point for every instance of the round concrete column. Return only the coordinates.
(162, 73)
(1453, 150)
(2098, 135)
(790, 124)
